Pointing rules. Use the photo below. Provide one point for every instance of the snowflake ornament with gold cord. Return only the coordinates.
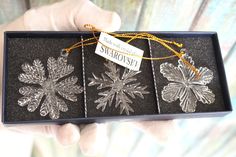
(48, 87)
(185, 86)
(118, 87)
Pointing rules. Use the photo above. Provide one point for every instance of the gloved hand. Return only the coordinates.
(72, 15)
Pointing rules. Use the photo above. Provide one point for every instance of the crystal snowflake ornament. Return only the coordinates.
(185, 86)
(47, 87)
(119, 87)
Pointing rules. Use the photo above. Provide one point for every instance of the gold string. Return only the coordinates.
(131, 37)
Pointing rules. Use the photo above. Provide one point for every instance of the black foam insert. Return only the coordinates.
(95, 64)
(201, 50)
(25, 50)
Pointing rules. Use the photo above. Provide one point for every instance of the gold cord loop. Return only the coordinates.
(131, 37)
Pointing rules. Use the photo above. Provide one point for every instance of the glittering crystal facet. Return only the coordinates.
(185, 86)
(121, 88)
(52, 104)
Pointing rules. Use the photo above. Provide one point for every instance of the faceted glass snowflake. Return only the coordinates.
(48, 87)
(118, 87)
(185, 86)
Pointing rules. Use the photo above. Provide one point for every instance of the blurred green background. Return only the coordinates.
(197, 137)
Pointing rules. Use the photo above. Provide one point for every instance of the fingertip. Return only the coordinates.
(161, 131)
(101, 19)
(68, 134)
(115, 22)
(110, 22)
(93, 139)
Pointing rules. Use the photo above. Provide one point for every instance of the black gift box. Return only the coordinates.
(24, 47)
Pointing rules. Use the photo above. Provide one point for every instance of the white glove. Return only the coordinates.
(72, 15)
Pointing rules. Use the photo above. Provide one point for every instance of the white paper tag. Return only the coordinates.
(115, 55)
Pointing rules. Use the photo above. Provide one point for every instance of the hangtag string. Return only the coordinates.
(131, 37)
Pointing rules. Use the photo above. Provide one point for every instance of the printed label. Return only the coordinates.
(118, 51)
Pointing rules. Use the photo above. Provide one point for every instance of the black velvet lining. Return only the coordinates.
(27, 49)
(95, 64)
(202, 52)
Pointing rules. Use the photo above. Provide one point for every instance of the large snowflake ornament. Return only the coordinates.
(185, 86)
(48, 87)
(118, 87)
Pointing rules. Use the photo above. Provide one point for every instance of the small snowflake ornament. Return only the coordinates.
(119, 87)
(48, 87)
(185, 86)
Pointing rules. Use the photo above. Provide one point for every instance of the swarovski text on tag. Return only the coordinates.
(118, 51)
